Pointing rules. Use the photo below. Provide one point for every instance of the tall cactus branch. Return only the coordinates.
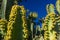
(49, 24)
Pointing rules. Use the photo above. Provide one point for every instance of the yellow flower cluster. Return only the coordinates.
(25, 29)
(33, 14)
(12, 19)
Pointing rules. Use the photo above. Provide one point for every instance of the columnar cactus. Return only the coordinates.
(17, 27)
(49, 24)
(57, 27)
(3, 27)
(58, 19)
(58, 6)
(11, 22)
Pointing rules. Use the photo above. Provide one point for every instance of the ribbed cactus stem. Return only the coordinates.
(11, 22)
(17, 25)
(58, 19)
(49, 24)
(3, 27)
(25, 27)
(50, 8)
(57, 28)
(3, 8)
(58, 6)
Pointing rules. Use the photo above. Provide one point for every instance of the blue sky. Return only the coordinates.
(38, 6)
